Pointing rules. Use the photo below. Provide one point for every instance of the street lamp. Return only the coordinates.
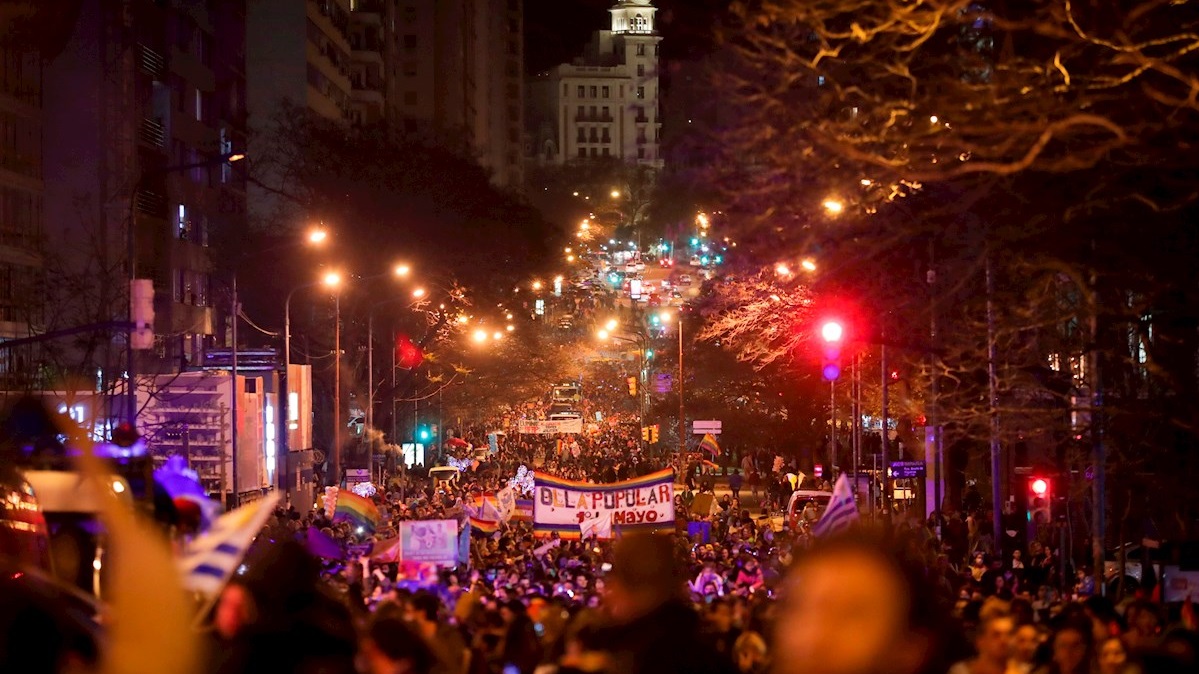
(402, 270)
(641, 339)
(808, 265)
(331, 280)
(833, 206)
(418, 293)
(480, 336)
(131, 253)
(318, 235)
(666, 317)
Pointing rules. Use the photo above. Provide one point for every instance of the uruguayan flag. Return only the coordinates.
(842, 510)
(210, 559)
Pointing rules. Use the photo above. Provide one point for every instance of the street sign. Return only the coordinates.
(358, 473)
(705, 427)
(907, 469)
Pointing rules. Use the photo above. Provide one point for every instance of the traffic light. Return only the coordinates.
(125, 435)
(423, 433)
(141, 313)
(632, 381)
(832, 334)
(1040, 500)
(650, 433)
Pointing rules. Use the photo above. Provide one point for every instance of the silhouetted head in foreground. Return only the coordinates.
(645, 575)
(854, 605)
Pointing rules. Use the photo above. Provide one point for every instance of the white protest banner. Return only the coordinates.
(431, 541)
(642, 504)
(549, 427)
(505, 500)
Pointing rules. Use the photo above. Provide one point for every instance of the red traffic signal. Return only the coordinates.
(832, 332)
(1040, 501)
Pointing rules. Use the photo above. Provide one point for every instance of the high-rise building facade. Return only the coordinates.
(300, 53)
(21, 203)
(139, 107)
(451, 67)
(605, 103)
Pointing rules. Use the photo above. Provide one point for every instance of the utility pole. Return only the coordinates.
(855, 405)
(682, 416)
(934, 418)
(993, 399)
(335, 466)
(886, 477)
(1098, 451)
(235, 500)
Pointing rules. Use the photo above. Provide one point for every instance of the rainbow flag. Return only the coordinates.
(486, 527)
(708, 444)
(355, 509)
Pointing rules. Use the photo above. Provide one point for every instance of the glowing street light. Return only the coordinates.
(833, 206)
(611, 324)
(463, 319)
(318, 236)
(402, 270)
(602, 334)
(331, 279)
(933, 119)
(511, 327)
(497, 335)
(808, 264)
(615, 194)
(480, 336)
(418, 293)
(536, 285)
(782, 269)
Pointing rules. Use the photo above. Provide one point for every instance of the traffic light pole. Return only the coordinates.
(832, 429)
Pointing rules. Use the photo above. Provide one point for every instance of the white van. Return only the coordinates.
(800, 499)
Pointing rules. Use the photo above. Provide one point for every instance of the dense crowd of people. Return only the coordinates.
(734, 588)
(729, 591)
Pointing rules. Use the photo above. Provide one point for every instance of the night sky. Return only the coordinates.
(557, 30)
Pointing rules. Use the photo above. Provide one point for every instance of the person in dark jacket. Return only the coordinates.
(653, 629)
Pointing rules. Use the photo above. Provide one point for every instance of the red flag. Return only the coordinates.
(408, 355)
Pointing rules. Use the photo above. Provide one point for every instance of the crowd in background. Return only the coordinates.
(714, 596)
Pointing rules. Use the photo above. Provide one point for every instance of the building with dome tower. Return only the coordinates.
(604, 104)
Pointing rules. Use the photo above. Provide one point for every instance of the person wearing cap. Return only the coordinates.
(652, 628)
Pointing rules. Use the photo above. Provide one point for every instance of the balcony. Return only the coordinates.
(151, 62)
(151, 132)
(596, 118)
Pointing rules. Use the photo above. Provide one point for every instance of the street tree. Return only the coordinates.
(918, 150)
